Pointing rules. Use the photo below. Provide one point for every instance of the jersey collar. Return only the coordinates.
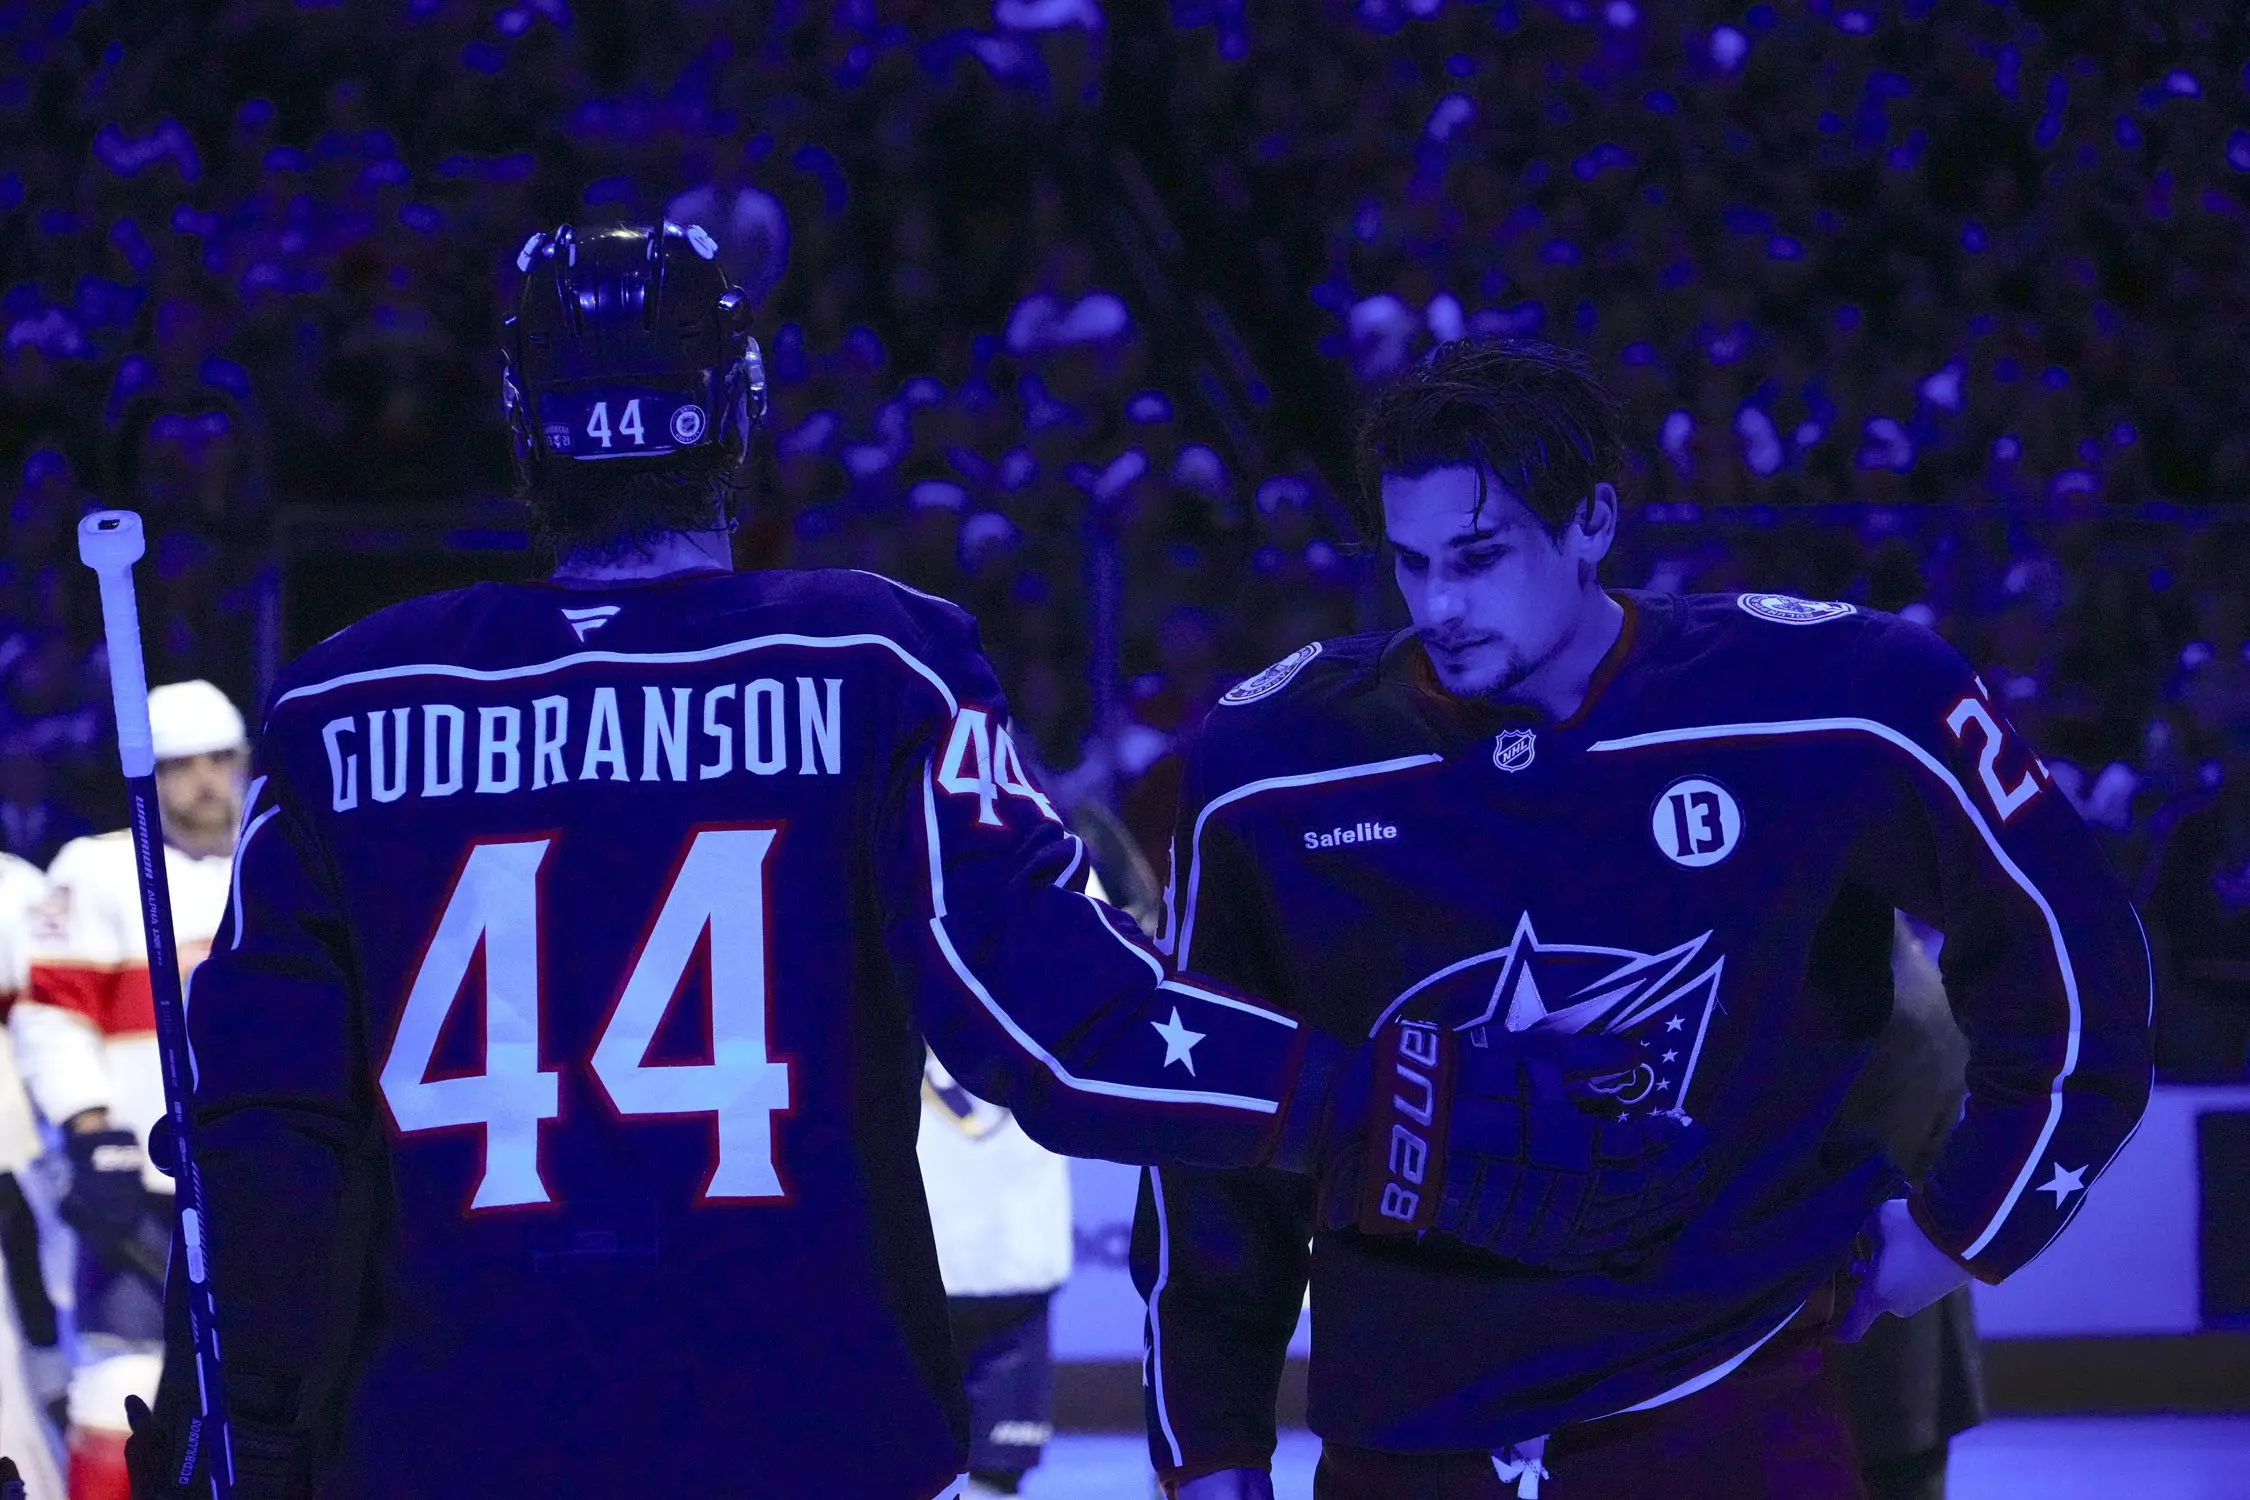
(1407, 664)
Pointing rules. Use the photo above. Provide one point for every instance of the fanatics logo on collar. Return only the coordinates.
(1358, 833)
(584, 622)
(1272, 680)
(1786, 609)
(1515, 749)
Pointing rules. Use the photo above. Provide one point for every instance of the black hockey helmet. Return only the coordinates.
(628, 343)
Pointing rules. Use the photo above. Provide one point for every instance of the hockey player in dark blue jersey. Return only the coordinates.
(1682, 823)
(557, 1065)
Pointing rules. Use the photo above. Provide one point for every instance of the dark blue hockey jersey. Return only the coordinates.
(558, 1061)
(1705, 859)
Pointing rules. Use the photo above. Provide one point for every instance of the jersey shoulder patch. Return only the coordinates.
(1787, 609)
(1272, 680)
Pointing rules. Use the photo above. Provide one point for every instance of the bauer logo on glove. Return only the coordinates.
(1506, 1142)
(1414, 1075)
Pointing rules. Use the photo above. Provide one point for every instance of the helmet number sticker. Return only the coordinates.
(628, 423)
(624, 421)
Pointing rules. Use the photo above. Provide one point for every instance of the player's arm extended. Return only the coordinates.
(2044, 958)
(1037, 996)
(1220, 1257)
(286, 1145)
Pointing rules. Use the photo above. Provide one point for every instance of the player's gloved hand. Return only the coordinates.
(270, 1463)
(1225, 1484)
(1500, 1140)
(1910, 1273)
(156, 1457)
(106, 1201)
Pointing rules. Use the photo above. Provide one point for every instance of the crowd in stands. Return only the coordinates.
(1934, 308)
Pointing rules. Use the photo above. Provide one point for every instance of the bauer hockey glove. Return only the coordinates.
(1500, 1140)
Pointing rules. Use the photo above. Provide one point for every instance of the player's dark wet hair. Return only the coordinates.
(1532, 415)
(604, 511)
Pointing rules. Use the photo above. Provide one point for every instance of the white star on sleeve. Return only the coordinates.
(1179, 1042)
(2063, 1184)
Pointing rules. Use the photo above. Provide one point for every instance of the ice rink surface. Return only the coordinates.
(2047, 1458)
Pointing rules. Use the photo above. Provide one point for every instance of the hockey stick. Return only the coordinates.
(110, 542)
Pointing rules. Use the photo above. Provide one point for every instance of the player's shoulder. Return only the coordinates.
(1313, 676)
(1812, 653)
(1768, 622)
(1306, 711)
(1784, 628)
(934, 639)
(873, 602)
(428, 627)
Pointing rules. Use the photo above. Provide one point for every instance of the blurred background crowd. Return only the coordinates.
(1934, 308)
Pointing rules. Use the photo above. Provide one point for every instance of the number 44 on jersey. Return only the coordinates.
(981, 761)
(495, 903)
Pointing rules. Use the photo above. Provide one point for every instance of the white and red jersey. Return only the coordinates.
(21, 886)
(85, 1027)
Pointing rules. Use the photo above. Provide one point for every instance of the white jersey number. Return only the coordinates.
(981, 761)
(719, 888)
(2006, 800)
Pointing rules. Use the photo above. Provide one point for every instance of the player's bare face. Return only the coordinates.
(201, 798)
(1495, 596)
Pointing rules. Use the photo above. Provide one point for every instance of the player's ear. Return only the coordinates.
(1595, 524)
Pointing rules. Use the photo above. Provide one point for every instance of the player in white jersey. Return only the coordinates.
(1000, 1213)
(28, 1339)
(85, 1036)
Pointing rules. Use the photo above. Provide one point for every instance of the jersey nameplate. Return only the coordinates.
(1273, 679)
(1786, 609)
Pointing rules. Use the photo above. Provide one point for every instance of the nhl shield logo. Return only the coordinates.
(1515, 749)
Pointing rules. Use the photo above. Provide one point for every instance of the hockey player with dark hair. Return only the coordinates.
(558, 1061)
(1683, 824)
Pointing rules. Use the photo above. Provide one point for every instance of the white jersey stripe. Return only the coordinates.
(629, 658)
(1937, 768)
(1008, 1023)
(1213, 997)
(1712, 1376)
(1252, 789)
(1155, 1317)
(241, 845)
(1077, 856)
(242, 841)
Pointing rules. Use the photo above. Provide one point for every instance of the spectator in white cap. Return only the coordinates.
(202, 763)
(85, 1037)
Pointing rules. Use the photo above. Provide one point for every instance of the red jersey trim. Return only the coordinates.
(116, 1001)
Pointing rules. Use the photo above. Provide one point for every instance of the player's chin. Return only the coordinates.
(1473, 676)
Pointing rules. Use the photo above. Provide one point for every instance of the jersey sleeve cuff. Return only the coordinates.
(1305, 1113)
(1917, 1208)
